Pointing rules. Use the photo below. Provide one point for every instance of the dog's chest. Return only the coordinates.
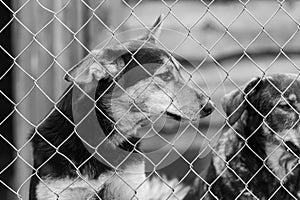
(113, 184)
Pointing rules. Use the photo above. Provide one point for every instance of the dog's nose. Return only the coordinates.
(208, 108)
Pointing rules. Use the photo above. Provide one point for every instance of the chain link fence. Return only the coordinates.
(157, 137)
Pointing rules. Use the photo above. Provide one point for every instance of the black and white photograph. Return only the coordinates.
(150, 100)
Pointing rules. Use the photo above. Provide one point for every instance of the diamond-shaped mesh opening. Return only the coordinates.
(98, 104)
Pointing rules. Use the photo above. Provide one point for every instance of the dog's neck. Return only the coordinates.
(58, 131)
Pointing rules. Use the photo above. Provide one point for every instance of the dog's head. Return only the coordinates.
(269, 109)
(135, 82)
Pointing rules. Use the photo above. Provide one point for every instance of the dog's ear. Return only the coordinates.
(153, 34)
(96, 66)
(234, 103)
(108, 62)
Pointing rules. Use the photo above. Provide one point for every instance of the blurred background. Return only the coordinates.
(221, 43)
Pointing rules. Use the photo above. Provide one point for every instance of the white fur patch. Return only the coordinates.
(280, 160)
(292, 136)
(129, 184)
(225, 145)
(118, 184)
(67, 189)
(161, 190)
(124, 185)
(276, 157)
(219, 160)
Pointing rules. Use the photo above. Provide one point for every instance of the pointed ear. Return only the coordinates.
(108, 62)
(154, 32)
(96, 66)
(234, 103)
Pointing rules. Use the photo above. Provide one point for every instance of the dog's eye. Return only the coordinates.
(166, 76)
(284, 106)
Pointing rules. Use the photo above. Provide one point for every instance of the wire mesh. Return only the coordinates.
(207, 49)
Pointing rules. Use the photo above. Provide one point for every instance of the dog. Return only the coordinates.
(257, 158)
(68, 167)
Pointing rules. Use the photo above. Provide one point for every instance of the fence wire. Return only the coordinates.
(158, 104)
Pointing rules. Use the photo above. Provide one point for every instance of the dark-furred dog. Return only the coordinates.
(257, 158)
(67, 169)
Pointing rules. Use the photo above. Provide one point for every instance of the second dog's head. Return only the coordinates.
(268, 110)
(135, 82)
